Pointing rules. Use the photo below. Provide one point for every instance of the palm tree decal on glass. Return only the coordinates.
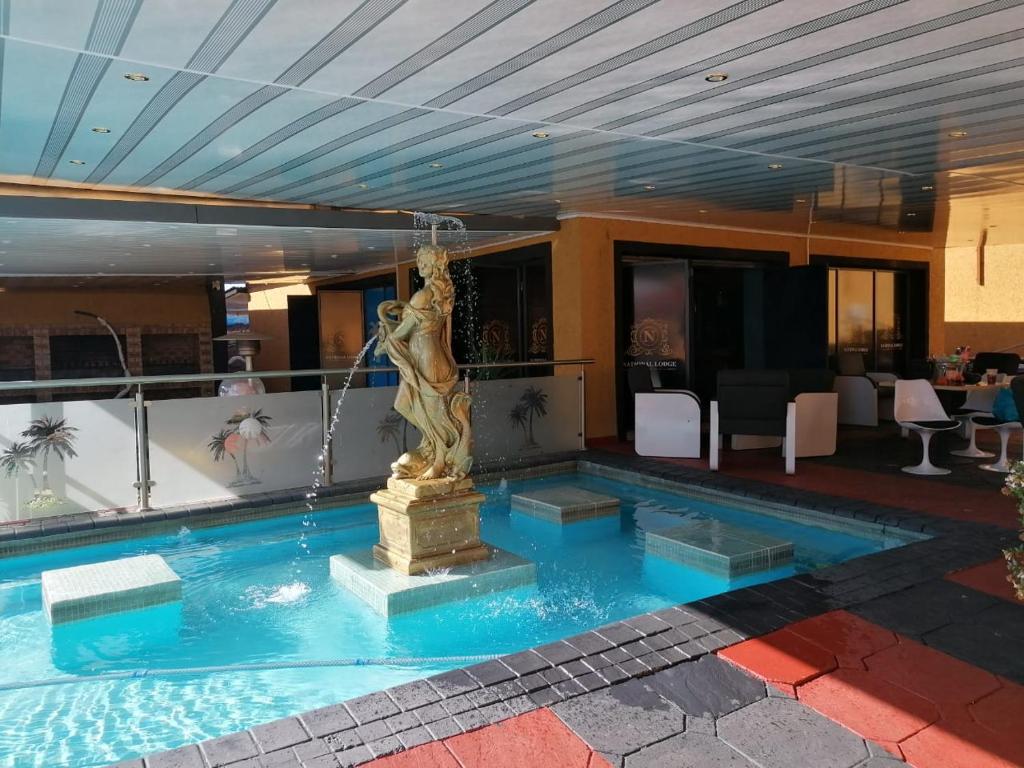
(19, 458)
(532, 403)
(390, 427)
(46, 436)
(241, 429)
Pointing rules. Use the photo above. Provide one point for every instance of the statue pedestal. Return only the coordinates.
(427, 524)
(430, 551)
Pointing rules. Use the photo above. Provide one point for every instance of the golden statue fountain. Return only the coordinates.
(429, 513)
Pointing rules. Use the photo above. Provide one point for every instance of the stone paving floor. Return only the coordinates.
(910, 654)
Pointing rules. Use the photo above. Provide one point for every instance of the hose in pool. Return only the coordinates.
(131, 674)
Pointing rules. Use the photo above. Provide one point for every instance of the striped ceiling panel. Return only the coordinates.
(871, 110)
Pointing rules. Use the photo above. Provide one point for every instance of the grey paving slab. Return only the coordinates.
(183, 757)
(452, 683)
(559, 652)
(402, 722)
(526, 662)
(337, 742)
(413, 695)
(386, 746)
(431, 713)
(371, 707)
(687, 751)
(279, 734)
(229, 749)
(881, 762)
(589, 643)
(490, 672)
(350, 757)
(990, 639)
(414, 737)
(312, 748)
(924, 608)
(782, 733)
(621, 719)
(372, 731)
(707, 687)
(442, 729)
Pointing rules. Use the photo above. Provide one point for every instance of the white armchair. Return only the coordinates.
(860, 401)
(667, 424)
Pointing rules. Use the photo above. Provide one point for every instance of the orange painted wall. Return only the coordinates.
(121, 307)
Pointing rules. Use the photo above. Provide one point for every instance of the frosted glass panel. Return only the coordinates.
(76, 456)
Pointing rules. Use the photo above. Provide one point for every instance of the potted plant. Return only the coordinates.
(1014, 487)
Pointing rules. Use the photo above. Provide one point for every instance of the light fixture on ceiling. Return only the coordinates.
(367, 186)
(649, 187)
(927, 188)
(437, 165)
(334, 255)
(112, 264)
(911, 213)
(702, 210)
(146, 245)
(717, 77)
(308, 231)
(100, 129)
(136, 77)
(77, 162)
(540, 134)
(801, 199)
(775, 166)
(958, 134)
(371, 247)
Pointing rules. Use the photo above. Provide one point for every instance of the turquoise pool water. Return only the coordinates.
(253, 593)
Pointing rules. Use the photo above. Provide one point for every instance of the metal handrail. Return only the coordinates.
(116, 381)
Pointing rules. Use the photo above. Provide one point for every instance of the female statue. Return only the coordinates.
(415, 336)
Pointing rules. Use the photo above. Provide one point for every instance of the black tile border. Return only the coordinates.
(371, 726)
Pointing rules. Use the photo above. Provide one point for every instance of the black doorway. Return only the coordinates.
(681, 311)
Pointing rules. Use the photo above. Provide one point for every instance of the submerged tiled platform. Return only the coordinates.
(389, 592)
(115, 586)
(565, 504)
(724, 550)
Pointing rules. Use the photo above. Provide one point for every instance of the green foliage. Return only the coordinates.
(1014, 486)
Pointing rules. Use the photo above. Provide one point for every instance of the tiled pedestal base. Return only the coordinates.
(389, 592)
(70, 594)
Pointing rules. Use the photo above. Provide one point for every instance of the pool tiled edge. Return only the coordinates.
(359, 730)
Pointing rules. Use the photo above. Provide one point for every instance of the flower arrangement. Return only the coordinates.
(1014, 487)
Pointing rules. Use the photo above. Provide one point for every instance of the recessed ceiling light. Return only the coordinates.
(801, 200)
(540, 134)
(717, 77)
(136, 77)
(211, 264)
(308, 231)
(372, 247)
(958, 134)
(775, 166)
(367, 186)
(911, 213)
(334, 255)
(77, 162)
(437, 165)
(111, 264)
(649, 187)
(557, 200)
(702, 210)
(100, 130)
(927, 188)
(146, 245)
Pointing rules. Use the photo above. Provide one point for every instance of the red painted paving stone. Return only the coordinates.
(538, 739)
(990, 578)
(932, 674)
(781, 657)
(846, 636)
(869, 705)
(1002, 712)
(930, 496)
(964, 744)
(432, 755)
